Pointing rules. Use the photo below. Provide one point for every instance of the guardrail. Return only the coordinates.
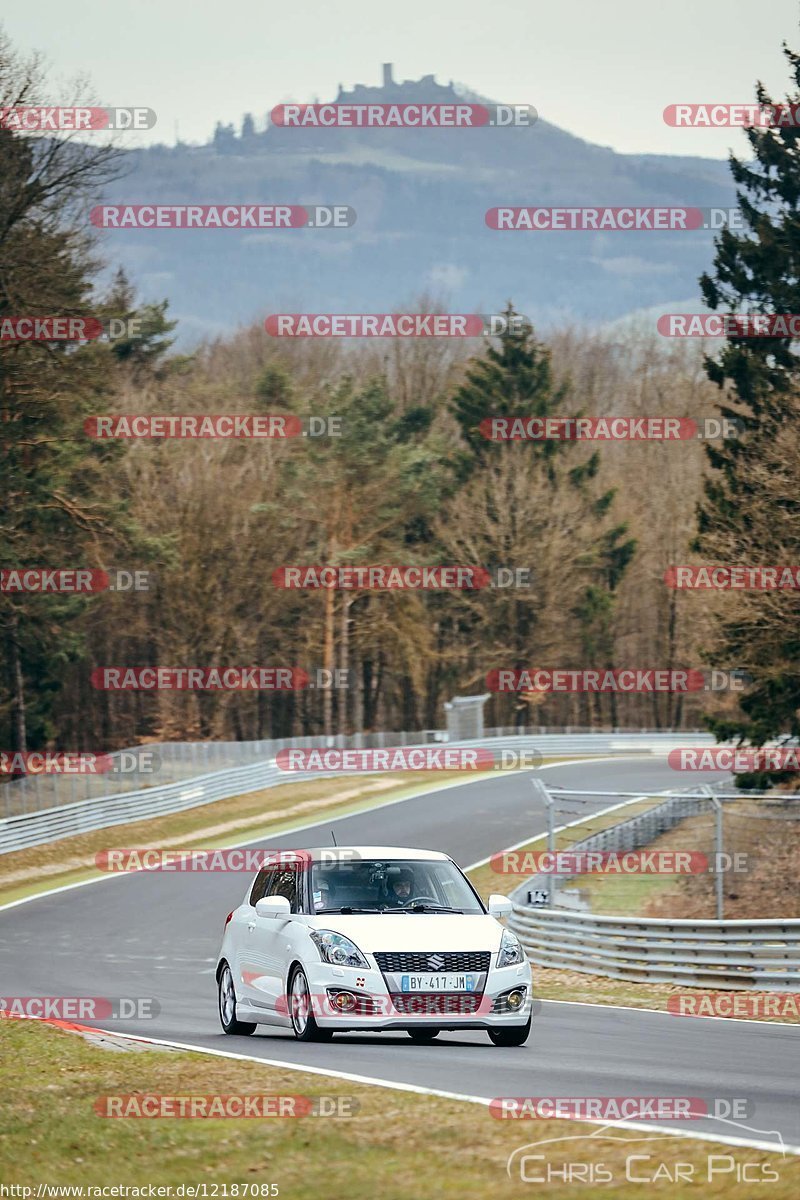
(731, 955)
(626, 835)
(23, 829)
(156, 764)
(66, 820)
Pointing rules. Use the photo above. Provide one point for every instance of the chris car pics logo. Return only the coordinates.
(613, 1153)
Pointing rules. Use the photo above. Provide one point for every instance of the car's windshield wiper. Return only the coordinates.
(347, 908)
(433, 908)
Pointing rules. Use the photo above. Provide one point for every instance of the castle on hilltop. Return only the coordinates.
(419, 91)
(425, 88)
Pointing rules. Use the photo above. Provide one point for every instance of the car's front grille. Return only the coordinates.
(433, 961)
(441, 1003)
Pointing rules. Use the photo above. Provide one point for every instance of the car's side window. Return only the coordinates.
(261, 885)
(284, 883)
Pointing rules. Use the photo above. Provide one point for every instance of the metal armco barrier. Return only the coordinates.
(21, 830)
(731, 955)
(628, 834)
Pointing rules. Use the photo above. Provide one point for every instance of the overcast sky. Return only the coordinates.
(602, 69)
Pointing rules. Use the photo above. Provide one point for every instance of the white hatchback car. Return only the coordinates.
(371, 938)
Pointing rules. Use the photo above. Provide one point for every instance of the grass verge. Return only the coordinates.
(397, 1145)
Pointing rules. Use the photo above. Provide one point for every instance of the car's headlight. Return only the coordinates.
(336, 949)
(510, 951)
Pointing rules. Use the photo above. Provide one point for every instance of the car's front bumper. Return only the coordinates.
(375, 1007)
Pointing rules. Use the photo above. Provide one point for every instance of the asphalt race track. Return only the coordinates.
(157, 935)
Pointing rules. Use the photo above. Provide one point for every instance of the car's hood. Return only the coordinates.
(414, 931)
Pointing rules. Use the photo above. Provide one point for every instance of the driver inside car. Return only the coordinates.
(401, 889)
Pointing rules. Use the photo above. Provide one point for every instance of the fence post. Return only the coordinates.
(718, 864)
(719, 841)
(551, 831)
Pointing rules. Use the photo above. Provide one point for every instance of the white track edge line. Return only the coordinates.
(418, 1089)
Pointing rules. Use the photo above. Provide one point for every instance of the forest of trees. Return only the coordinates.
(409, 481)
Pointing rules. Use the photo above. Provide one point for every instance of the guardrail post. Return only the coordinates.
(719, 841)
(551, 831)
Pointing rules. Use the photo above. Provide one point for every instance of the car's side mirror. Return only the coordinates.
(499, 906)
(273, 906)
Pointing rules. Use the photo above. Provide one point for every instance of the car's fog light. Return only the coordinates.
(515, 999)
(344, 1001)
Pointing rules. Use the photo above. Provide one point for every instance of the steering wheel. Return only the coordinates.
(420, 900)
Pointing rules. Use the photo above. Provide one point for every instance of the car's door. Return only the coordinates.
(266, 947)
(242, 928)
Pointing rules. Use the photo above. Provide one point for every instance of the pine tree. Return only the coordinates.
(516, 380)
(512, 380)
(750, 513)
(58, 506)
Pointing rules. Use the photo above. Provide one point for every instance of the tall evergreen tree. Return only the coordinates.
(515, 379)
(744, 517)
(58, 502)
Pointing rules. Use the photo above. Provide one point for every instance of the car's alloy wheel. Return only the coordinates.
(512, 1035)
(227, 1006)
(304, 1025)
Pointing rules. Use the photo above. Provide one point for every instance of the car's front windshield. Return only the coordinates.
(414, 886)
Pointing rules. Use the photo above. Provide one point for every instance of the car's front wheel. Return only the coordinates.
(512, 1035)
(227, 1006)
(304, 1025)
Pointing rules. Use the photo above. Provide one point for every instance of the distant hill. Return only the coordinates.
(420, 196)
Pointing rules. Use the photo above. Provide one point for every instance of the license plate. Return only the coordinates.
(438, 983)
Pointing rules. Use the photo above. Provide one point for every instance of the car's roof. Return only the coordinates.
(332, 853)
